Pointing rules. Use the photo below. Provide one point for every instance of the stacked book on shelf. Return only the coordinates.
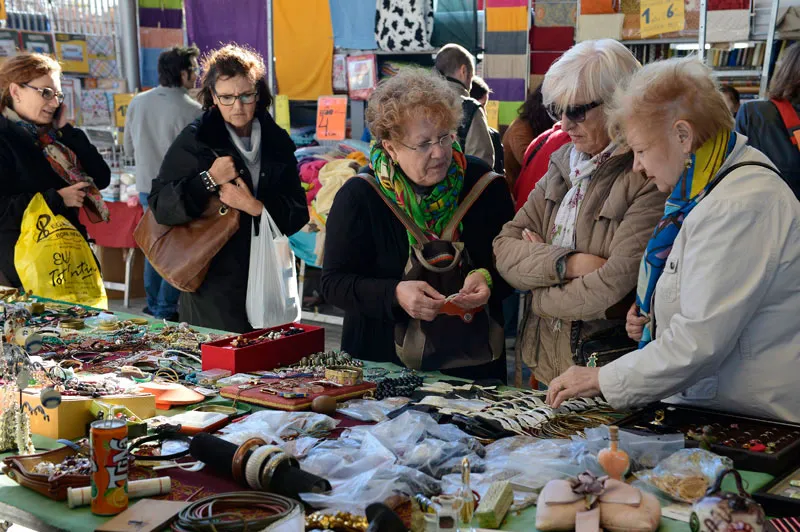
(751, 57)
(647, 53)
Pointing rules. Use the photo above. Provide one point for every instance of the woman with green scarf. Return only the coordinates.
(719, 284)
(416, 166)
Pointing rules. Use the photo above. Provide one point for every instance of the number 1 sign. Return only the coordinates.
(661, 16)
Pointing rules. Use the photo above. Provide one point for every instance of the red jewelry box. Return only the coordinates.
(265, 355)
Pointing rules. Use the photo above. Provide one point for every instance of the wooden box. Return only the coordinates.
(265, 355)
(70, 420)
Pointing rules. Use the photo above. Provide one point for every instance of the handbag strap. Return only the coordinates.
(790, 119)
(410, 225)
(473, 195)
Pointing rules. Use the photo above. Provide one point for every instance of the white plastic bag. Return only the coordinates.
(272, 290)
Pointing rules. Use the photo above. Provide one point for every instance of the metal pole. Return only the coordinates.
(129, 53)
(528, 52)
(270, 59)
(701, 40)
(770, 44)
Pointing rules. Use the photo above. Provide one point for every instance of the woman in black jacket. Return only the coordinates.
(41, 153)
(420, 168)
(237, 147)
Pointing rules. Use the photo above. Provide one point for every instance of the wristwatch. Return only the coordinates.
(208, 181)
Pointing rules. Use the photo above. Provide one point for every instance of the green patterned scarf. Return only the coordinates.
(433, 212)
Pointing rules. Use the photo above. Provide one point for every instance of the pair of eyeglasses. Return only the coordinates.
(47, 93)
(444, 142)
(574, 113)
(230, 99)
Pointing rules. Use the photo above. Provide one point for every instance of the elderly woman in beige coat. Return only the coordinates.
(577, 243)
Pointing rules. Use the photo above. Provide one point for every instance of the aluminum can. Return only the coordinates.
(108, 440)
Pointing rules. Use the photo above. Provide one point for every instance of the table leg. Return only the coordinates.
(130, 253)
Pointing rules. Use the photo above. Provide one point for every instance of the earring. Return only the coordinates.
(688, 162)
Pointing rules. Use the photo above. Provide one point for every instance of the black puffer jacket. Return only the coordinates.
(24, 171)
(178, 196)
(763, 126)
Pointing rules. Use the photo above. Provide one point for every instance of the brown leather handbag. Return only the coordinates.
(181, 254)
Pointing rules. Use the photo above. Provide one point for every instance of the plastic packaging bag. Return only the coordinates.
(644, 451)
(53, 260)
(371, 410)
(686, 475)
(273, 426)
(272, 290)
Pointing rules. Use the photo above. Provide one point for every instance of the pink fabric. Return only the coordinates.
(309, 173)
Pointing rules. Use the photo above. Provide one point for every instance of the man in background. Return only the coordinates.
(732, 98)
(457, 65)
(154, 119)
(480, 92)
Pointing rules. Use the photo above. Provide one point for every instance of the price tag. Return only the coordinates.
(493, 114)
(661, 16)
(282, 111)
(121, 103)
(331, 117)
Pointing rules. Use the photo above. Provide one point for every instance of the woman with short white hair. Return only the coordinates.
(577, 242)
(719, 286)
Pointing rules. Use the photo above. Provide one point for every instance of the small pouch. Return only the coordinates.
(558, 505)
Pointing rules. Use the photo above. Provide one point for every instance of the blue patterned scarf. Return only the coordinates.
(690, 189)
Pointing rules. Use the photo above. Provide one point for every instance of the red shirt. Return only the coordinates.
(537, 160)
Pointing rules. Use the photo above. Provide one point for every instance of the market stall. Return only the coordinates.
(340, 435)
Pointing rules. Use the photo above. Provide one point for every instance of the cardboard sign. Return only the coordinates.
(493, 114)
(9, 44)
(331, 117)
(282, 112)
(38, 43)
(661, 16)
(3, 10)
(121, 103)
(72, 52)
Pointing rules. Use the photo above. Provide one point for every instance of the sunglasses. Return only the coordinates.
(574, 113)
(230, 99)
(47, 93)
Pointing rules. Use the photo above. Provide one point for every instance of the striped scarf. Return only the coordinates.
(689, 191)
(432, 212)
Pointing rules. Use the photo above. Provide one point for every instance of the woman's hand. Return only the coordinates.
(635, 323)
(223, 170)
(61, 118)
(419, 299)
(73, 195)
(580, 264)
(532, 237)
(237, 195)
(577, 381)
(475, 292)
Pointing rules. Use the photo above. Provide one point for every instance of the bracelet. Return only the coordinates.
(209, 182)
(344, 375)
(486, 275)
(237, 465)
(252, 470)
(161, 437)
(272, 466)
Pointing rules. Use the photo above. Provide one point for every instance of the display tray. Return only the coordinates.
(781, 497)
(265, 354)
(729, 435)
(20, 469)
(255, 394)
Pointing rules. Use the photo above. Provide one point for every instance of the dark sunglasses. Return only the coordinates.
(574, 113)
(47, 93)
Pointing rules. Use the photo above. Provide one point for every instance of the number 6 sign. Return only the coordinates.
(661, 16)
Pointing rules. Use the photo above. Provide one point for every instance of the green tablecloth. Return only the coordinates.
(58, 515)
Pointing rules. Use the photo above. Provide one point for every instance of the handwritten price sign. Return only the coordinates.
(331, 117)
(661, 16)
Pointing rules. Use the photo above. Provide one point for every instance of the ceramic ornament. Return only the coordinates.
(50, 398)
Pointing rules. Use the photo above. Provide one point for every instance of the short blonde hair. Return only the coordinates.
(664, 92)
(590, 72)
(413, 94)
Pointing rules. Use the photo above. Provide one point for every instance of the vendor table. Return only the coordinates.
(117, 233)
(25, 507)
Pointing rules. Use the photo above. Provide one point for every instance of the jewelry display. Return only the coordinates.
(72, 465)
(243, 341)
(344, 376)
(403, 386)
(338, 522)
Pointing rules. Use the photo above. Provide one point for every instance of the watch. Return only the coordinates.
(208, 181)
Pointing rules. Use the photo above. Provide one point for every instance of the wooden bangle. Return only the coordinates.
(254, 465)
(238, 464)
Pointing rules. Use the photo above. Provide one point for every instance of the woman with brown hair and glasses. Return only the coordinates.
(41, 153)
(237, 150)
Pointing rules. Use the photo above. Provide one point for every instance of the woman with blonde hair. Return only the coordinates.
(418, 174)
(719, 285)
(576, 243)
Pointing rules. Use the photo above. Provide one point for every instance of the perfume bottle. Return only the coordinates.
(613, 460)
(466, 499)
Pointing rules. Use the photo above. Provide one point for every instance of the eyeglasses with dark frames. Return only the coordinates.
(574, 113)
(444, 141)
(47, 93)
(230, 99)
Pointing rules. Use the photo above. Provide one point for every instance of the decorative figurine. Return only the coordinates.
(614, 461)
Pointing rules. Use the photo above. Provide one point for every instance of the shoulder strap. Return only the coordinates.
(790, 119)
(470, 199)
(736, 166)
(536, 148)
(409, 224)
(470, 107)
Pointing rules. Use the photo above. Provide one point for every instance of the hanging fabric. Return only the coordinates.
(404, 25)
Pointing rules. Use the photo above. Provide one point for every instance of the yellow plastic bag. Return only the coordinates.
(53, 260)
